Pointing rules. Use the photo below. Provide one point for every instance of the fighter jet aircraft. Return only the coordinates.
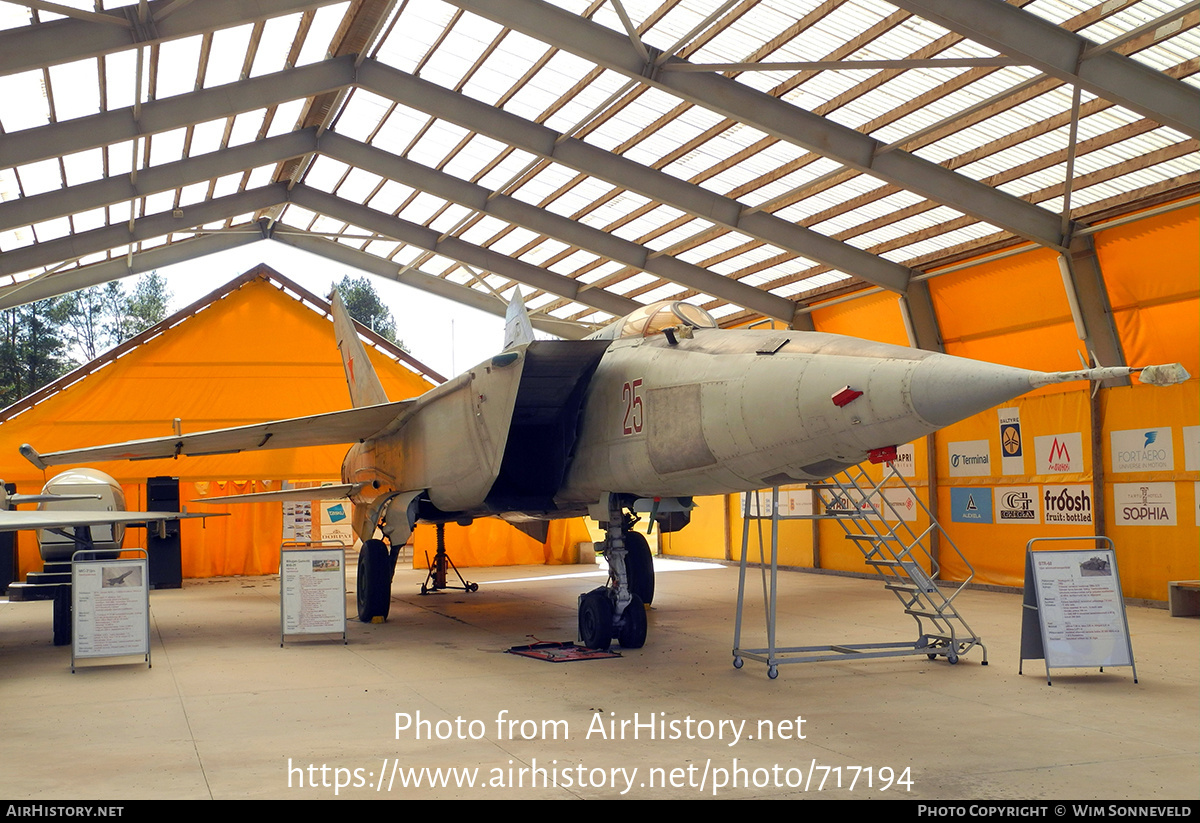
(657, 407)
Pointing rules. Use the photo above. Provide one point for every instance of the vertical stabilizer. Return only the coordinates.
(517, 328)
(365, 388)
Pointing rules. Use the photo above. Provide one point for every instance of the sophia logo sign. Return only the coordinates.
(969, 458)
(1144, 504)
(1067, 504)
(1142, 450)
(1017, 504)
(1059, 453)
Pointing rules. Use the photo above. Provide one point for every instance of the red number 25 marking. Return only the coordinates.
(631, 396)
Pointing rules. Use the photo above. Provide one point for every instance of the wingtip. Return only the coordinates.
(31, 454)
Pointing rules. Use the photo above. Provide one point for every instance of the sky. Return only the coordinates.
(444, 335)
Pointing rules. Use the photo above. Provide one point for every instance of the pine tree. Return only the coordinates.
(31, 350)
(365, 306)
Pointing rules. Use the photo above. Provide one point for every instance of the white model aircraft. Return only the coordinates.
(650, 411)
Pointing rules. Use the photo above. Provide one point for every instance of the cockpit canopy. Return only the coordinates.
(652, 319)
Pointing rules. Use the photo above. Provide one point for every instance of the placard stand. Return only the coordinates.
(1073, 612)
(312, 589)
(110, 600)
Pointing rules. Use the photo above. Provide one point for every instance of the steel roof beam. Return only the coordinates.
(439, 286)
(792, 124)
(75, 246)
(64, 41)
(562, 228)
(460, 250)
(656, 185)
(111, 190)
(65, 282)
(1064, 55)
(70, 136)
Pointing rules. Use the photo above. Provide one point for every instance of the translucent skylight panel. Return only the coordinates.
(391, 197)
(119, 212)
(735, 42)
(382, 248)
(120, 73)
(52, 229)
(297, 216)
(453, 59)
(325, 173)
(227, 185)
(287, 115)
(90, 219)
(646, 223)
(227, 54)
(15, 239)
(599, 272)
(550, 179)
(260, 177)
(246, 127)
(275, 43)
(573, 262)
(510, 243)
(320, 34)
(358, 185)
(562, 71)
(84, 166)
(178, 62)
(543, 251)
(325, 224)
(76, 89)
(679, 234)
(450, 217)
(207, 136)
(483, 230)
(503, 172)
(565, 312)
(39, 177)
(13, 16)
(405, 255)
(362, 114)
(25, 105)
(418, 26)
(166, 147)
(193, 194)
(583, 103)
(422, 208)
(579, 197)
(473, 157)
(436, 143)
(632, 283)
(163, 201)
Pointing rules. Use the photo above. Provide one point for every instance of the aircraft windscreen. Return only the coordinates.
(652, 319)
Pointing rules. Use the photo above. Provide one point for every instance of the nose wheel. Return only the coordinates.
(618, 610)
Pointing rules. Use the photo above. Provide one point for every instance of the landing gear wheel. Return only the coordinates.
(632, 634)
(374, 581)
(639, 565)
(595, 620)
(773, 672)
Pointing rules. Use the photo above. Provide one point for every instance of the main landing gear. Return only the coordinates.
(618, 610)
(376, 566)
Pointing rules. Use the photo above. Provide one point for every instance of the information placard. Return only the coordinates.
(1080, 613)
(110, 602)
(312, 596)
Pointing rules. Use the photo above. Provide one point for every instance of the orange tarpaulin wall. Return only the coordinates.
(1015, 311)
(252, 354)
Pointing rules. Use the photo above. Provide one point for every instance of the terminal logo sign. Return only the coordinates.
(969, 458)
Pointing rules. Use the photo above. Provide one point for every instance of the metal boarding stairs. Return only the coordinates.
(897, 553)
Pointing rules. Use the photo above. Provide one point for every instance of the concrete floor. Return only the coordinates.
(224, 710)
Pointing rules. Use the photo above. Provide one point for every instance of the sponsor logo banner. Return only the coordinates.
(1012, 449)
(1142, 450)
(969, 458)
(1144, 504)
(905, 462)
(1191, 448)
(1059, 453)
(971, 505)
(1067, 504)
(1017, 504)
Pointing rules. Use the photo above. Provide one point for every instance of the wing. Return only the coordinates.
(334, 492)
(349, 426)
(20, 521)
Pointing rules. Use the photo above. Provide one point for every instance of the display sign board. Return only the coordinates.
(312, 592)
(110, 602)
(1074, 614)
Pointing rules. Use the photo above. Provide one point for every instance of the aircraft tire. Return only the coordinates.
(595, 620)
(639, 565)
(632, 634)
(374, 581)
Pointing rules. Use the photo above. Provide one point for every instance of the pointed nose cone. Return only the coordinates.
(947, 389)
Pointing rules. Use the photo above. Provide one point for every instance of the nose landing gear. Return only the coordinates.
(618, 610)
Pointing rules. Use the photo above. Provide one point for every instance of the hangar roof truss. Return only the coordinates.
(750, 155)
